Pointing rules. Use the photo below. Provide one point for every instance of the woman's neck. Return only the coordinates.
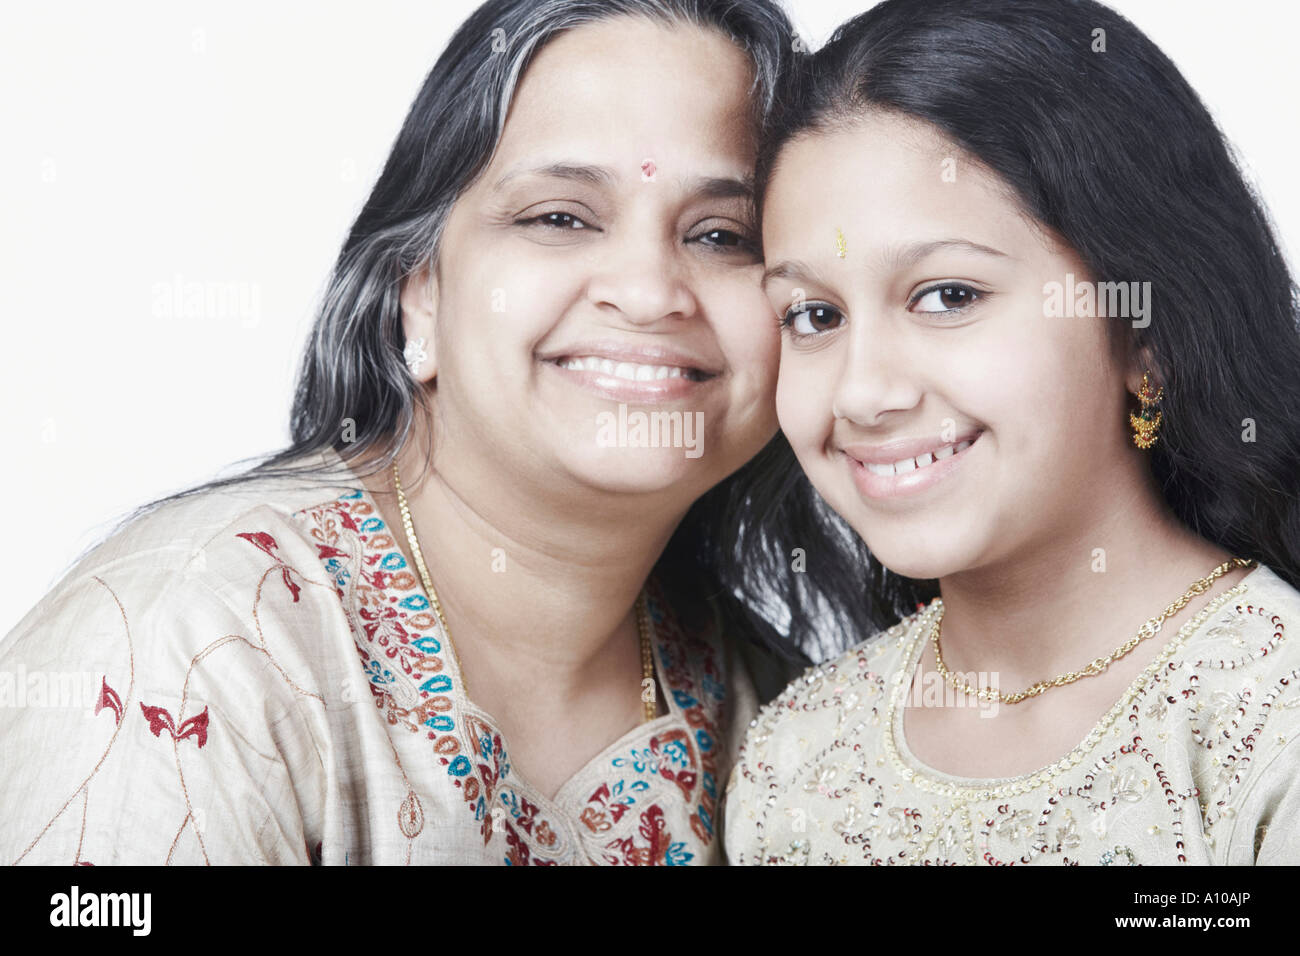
(1078, 593)
(533, 583)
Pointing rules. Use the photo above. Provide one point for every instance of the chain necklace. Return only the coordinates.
(649, 708)
(1149, 629)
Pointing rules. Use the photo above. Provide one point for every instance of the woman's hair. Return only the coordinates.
(1105, 143)
(354, 393)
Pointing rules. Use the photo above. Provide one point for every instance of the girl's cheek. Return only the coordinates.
(803, 405)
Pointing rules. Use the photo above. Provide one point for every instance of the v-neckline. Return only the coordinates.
(513, 778)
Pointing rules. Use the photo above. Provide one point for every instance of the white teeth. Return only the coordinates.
(921, 461)
(629, 371)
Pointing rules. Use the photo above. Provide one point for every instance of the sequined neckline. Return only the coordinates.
(927, 778)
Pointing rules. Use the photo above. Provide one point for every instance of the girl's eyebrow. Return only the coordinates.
(708, 187)
(792, 269)
(904, 256)
(899, 257)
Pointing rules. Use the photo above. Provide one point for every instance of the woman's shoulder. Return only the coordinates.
(215, 541)
(186, 524)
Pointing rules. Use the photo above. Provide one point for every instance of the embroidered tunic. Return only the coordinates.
(256, 676)
(1198, 763)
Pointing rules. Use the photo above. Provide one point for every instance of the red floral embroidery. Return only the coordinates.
(159, 720)
(108, 700)
(268, 544)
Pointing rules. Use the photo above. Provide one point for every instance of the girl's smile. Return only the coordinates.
(907, 466)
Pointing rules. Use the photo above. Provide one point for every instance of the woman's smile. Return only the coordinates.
(635, 373)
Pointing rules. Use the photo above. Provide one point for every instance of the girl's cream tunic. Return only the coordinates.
(256, 676)
(1198, 763)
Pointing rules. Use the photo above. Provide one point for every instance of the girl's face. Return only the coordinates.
(928, 392)
(597, 319)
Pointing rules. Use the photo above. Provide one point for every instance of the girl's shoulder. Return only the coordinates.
(813, 704)
(1250, 632)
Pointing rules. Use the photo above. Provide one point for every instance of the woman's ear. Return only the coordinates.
(419, 301)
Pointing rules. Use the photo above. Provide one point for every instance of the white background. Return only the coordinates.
(232, 144)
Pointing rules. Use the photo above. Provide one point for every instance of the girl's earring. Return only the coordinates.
(415, 355)
(1145, 425)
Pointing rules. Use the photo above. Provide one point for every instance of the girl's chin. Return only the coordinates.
(920, 553)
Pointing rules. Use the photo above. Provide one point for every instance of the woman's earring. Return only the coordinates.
(1145, 425)
(415, 355)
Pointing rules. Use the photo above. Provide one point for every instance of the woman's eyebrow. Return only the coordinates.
(708, 187)
(582, 172)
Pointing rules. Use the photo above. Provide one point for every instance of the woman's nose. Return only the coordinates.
(643, 278)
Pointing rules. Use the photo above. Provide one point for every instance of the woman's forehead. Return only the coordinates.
(628, 83)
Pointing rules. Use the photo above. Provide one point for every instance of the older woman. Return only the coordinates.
(482, 609)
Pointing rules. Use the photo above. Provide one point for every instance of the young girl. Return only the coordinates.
(472, 614)
(1040, 351)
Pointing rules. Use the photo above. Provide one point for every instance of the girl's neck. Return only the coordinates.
(1078, 593)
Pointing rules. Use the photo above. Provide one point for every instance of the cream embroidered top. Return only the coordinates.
(1198, 763)
(256, 676)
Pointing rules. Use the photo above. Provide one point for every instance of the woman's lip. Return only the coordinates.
(645, 354)
(625, 390)
(910, 482)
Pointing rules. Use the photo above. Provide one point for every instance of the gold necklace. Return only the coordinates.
(1098, 665)
(649, 710)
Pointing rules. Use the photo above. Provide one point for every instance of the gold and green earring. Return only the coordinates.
(1145, 425)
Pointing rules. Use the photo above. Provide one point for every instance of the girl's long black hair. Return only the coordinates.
(1106, 144)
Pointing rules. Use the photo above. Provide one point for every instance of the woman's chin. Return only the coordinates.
(643, 471)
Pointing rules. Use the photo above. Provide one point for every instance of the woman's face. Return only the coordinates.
(597, 318)
(929, 395)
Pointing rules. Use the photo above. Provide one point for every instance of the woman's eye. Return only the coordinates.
(812, 320)
(556, 220)
(725, 238)
(948, 297)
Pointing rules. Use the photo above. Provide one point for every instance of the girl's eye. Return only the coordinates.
(555, 220)
(810, 320)
(949, 297)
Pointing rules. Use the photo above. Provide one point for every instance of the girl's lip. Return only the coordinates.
(625, 390)
(879, 487)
